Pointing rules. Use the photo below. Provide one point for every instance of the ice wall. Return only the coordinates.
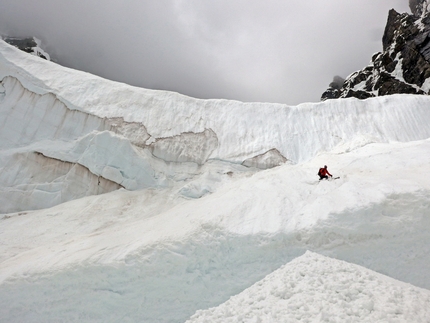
(30, 178)
(243, 130)
(137, 138)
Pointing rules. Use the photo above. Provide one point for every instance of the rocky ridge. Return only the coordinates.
(29, 45)
(402, 67)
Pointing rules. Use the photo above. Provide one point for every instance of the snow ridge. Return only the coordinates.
(44, 105)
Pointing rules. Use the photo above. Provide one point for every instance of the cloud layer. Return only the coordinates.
(248, 50)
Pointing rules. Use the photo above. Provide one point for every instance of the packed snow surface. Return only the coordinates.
(120, 204)
(314, 288)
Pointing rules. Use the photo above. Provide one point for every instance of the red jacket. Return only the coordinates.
(324, 172)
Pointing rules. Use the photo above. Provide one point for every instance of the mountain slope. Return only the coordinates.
(179, 224)
(53, 114)
(154, 256)
(403, 66)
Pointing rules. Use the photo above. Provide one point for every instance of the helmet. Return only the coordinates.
(325, 166)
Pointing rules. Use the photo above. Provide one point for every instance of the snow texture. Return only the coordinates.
(120, 204)
(97, 123)
(313, 288)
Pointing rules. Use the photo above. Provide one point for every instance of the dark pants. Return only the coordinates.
(323, 177)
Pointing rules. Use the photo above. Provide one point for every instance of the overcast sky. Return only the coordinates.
(250, 50)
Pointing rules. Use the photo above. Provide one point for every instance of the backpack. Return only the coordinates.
(320, 172)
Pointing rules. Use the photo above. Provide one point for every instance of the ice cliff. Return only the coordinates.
(191, 214)
(97, 135)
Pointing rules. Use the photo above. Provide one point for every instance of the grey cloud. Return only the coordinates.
(337, 82)
(249, 50)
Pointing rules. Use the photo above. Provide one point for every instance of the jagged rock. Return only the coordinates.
(333, 92)
(418, 6)
(330, 93)
(404, 64)
(29, 45)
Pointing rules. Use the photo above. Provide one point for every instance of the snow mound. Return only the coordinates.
(314, 288)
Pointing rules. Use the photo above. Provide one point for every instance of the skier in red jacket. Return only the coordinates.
(323, 173)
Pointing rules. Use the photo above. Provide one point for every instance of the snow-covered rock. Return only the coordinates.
(31, 45)
(418, 7)
(402, 67)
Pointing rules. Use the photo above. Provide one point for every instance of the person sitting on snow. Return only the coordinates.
(323, 173)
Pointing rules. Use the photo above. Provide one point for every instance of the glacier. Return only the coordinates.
(45, 105)
(123, 204)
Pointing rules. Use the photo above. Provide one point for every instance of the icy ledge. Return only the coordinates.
(242, 130)
(138, 138)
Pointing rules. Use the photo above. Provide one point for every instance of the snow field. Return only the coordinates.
(155, 256)
(153, 135)
(192, 226)
(313, 288)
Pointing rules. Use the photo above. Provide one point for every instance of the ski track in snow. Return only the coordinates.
(193, 227)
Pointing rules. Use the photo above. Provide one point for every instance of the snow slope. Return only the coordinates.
(121, 204)
(313, 288)
(44, 106)
(152, 256)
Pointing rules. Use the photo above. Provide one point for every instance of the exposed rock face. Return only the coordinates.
(333, 91)
(402, 67)
(418, 7)
(30, 45)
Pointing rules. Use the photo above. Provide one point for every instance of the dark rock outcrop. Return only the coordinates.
(418, 7)
(29, 45)
(404, 64)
